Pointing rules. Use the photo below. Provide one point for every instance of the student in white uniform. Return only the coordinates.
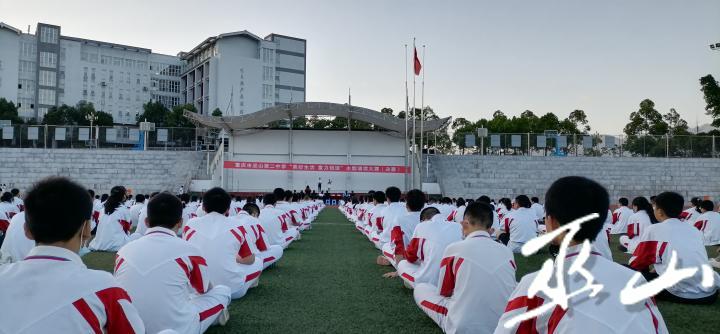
(693, 211)
(709, 223)
(229, 257)
(519, 226)
(166, 276)
(476, 277)
(136, 208)
(53, 291)
(7, 211)
(657, 243)
(567, 199)
(458, 213)
(17, 201)
(402, 229)
(113, 230)
(275, 225)
(621, 215)
(375, 216)
(16, 244)
(642, 217)
(538, 209)
(252, 230)
(427, 245)
(394, 210)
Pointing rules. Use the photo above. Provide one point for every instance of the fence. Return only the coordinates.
(534, 144)
(116, 137)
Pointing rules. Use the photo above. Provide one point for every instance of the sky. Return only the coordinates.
(603, 57)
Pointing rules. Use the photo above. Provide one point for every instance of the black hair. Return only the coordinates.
(6, 197)
(393, 194)
(379, 196)
(573, 197)
(164, 210)
(279, 193)
(269, 199)
(56, 209)
(288, 195)
(479, 213)
(104, 197)
(506, 202)
(671, 203)
(707, 205)
(193, 198)
(116, 198)
(185, 198)
(92, 193)
(15, 191)
(446, 200)
(139, 198)
(534, 199)
(415, 200)
(523, 201)
(624, 201)
(460, 202)
(428, 213)
(484, 199)
(251, 208)
(642, 204)
(216, 200)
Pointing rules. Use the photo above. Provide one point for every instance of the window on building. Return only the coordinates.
(48, 78)
(49, 35)
(27, 66)
(48, 59)
(47, 97)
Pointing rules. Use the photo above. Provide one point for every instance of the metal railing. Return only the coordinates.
(538, 144)
(99, 137)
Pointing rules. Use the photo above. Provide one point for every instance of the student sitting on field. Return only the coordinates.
(658, 242)
(274, 222)
(401, 230)
(166, 276)
(636, 223)
(708, 223)
(229, 257)
(519, 226)
(113, 230)
(254, 233)
(52, 289)
(568, 199)
(427, 245)
(16, 244)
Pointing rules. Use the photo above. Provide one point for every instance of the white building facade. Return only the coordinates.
(238, 73)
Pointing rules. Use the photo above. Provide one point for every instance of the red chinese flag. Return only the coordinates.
(418, 66)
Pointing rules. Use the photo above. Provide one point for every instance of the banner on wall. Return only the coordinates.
(284, 166)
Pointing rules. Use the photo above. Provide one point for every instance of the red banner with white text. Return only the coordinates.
(284, 166)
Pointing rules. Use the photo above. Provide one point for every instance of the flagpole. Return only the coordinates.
(422, 114)
(413, 118)
(407, 108)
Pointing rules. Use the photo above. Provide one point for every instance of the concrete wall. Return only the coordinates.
(100, 170)
(508, 176)
(315, 147)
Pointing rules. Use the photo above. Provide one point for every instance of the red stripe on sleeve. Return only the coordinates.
(260, 240)
(434, 307)
(507, 224)
(196, 278)
(662, 250)
(252, 276)
(555, 318)
(448, 281)
(211, 311)
(396, 237)
(631, 231)
(644, 255)
(4, 224)
(189, 235)
(117, 322)
(87, 314)
(411, 253)
(244, 250)
(118, 262)
(654, 318)
(125, 225)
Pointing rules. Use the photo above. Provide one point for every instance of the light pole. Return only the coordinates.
(92, 117)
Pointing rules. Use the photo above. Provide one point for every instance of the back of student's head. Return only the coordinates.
(484, 199)
(269, 199)
(707, 205)
(279, 193)
(671, 203)
(624, 201)
(523, 201)
(92, 193)
(534, 199)
(185, 198)
(479, 214)
(288, 195)
(695, 201)
(379, 197)
(460, 202)
(104, 197)
(6, 197)
(429, 212)
(506, 203)
(642, 204)
(116, 198)
(446, 200)
(15, 191)
(164, 210)
(139, 198)
(56, 209)
(216, 200)
(415, 200)
(393, 194)
(193, 198)
(252, 209)
(573, 197)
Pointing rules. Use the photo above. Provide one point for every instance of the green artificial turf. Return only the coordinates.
(329, 283)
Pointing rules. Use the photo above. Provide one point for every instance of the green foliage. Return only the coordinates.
(155, 112)
(217, 112)
(387, 111)
(78, 115)
(711, 92)
(8, 111)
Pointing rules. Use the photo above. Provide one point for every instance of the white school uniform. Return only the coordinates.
(113, 231)
(166, 277)
(16, 244)
(19, 203)
(220, 241)
(459, 214)
(476, 278)
(135, 213)
(401, 230)
(393, 211)
(7, 212)
(276, 227)
(620, 219)
(235, 208)
(375, 216)
(689, 214)
(539, 210)
(255, 235)
(54, 292)
(425, 250)
(636, 224)
(522, 226)
(598, 315)
(97, 211)
(655, 246)
(708, 223)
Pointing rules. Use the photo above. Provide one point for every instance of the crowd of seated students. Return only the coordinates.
(459, 255)
(177, 273)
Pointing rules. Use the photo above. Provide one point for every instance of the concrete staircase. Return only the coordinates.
(142, 171)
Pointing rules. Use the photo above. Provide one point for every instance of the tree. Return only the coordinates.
(8, 111)
(711, 91)
(575, 123)
(217, 112)
(78, 115)
(176, 117)
(676, 125)
(387, 111)
(154, 112)
(646, 120)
